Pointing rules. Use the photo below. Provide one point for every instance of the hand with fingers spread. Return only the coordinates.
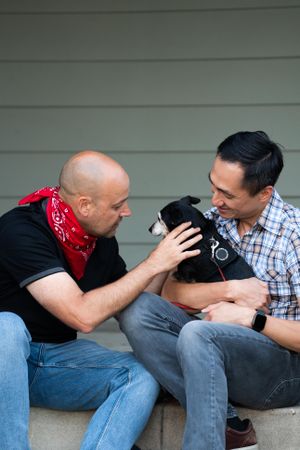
(174, 248)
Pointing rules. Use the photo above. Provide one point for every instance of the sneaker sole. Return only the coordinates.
(250, 447)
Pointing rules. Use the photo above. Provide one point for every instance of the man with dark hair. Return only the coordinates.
(60, 271)
(247, 347)
(260, 157)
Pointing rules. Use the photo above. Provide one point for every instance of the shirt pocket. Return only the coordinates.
(272, 272)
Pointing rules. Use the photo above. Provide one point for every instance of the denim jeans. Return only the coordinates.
(204, 363)
(76, 375)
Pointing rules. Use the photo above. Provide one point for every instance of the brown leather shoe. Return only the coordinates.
(245, 440)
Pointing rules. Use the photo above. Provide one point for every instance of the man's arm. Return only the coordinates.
(155, 286)
(285, 332)
(250, 292)
(59, 294)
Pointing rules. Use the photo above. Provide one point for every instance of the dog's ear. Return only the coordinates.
(189, 200)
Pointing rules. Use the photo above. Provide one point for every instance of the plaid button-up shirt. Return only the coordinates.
(272, 248)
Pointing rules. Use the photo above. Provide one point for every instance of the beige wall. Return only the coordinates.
(157, 84)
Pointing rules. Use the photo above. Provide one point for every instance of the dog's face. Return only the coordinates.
(215, 251)
(175, 213)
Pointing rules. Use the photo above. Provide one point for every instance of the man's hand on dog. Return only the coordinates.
(250, 292)
(174, 248)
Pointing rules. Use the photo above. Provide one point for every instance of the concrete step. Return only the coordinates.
(55, 430)
(276, 429)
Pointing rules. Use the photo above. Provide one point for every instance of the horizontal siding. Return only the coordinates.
(135, 5)
(158, 175)
(222, 34)
(270, 81)
(157, 84)
(172, 129)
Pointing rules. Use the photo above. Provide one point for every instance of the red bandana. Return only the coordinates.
(77, 245)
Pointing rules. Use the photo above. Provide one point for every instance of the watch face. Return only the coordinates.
(259, 321)
(221, 254)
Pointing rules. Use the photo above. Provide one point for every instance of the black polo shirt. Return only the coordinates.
(29, 251)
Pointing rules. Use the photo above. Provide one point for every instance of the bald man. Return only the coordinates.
(61, 272)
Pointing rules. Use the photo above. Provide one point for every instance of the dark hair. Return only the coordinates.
(260, 158)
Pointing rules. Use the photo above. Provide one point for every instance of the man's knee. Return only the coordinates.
(194, 335)
(14, 335)
(133, 374)
(148, 386)
(210, 337)
(133, 315)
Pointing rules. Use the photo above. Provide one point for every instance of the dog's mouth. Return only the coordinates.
(159, 227)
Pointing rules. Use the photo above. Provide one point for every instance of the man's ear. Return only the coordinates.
(84, 205)
(266, 193)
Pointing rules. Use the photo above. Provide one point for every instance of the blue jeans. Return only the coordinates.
(203, 364)
(76, 375)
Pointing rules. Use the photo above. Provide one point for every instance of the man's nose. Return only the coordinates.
(216, 199)
(126, 211)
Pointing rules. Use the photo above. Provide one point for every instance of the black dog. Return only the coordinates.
(217, 261)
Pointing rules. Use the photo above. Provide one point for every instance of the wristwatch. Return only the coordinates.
(259, 320)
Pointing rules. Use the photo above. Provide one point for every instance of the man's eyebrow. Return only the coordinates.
(120, 202)
(219, 189)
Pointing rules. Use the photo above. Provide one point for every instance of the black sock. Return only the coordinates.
(237, 424)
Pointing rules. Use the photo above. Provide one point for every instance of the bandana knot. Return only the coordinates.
(76, 244)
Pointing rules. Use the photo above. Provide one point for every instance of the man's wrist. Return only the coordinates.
(248, 317)
(227, 290)
(150, 267)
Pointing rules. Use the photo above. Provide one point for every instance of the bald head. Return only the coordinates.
(87, 173)
(97, 188)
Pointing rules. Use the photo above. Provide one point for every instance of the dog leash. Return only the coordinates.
(219, 269)
(214, 245)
